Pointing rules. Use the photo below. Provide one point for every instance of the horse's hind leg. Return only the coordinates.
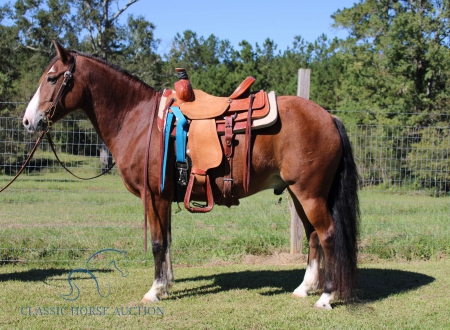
(319, 217)
(311, 279)
(158, 214)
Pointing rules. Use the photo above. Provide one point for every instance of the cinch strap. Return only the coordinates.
(180, 138)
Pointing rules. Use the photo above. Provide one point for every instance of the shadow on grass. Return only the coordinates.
(39, 275)
(374, 284)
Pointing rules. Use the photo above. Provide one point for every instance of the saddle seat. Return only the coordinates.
(206, 106)
(210, 116)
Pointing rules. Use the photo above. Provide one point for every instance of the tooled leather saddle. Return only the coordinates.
(205, 118)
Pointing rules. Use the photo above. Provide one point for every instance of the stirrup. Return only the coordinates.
(209, 197)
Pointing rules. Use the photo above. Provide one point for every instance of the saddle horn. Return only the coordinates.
(183, 88)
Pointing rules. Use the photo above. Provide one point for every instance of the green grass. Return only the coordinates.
(401, 225)
(50, 223)
(54, 218)
(393, 295)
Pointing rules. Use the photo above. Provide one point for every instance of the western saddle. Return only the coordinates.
(208, 117)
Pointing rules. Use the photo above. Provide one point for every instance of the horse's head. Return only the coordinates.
(56, 95)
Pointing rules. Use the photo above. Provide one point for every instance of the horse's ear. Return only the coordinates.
(63, 54)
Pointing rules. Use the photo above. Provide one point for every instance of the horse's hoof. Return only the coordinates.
(323, 306)
(146, 300)
(299, 294)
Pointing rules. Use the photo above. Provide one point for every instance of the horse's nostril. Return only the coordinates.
(26, 123)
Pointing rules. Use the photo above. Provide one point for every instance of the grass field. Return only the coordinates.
(393, 295)
(231, 265)
(52, 218)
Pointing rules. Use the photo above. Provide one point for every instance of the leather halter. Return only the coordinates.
(68, 75)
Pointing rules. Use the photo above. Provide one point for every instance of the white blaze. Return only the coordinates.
(32, 115)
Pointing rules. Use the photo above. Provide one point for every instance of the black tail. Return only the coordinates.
(343, 204)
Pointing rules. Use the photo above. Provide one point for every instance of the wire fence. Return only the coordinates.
(49, 216)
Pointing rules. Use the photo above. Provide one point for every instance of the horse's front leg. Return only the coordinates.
(159, 217)
(169, 273)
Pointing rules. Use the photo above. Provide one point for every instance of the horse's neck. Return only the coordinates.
(118, 104)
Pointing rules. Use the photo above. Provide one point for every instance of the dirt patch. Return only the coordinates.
(276, 259)
(281, 258)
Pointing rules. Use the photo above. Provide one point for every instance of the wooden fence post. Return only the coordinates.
(303, 83)
(296, 223)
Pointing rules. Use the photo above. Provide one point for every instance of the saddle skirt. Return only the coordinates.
(208, 117)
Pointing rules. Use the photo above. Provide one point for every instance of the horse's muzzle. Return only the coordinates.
(34, 125)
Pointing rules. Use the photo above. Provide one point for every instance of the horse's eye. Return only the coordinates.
(52, 80)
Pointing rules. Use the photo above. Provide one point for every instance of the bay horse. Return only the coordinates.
(306, 151)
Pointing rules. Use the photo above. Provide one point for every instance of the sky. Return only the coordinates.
(237, 20)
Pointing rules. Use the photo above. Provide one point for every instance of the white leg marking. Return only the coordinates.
(324, 301)
(310, 281)
(157, 291)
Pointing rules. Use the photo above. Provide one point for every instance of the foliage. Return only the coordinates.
(395, 65)
(397, 56)
(429, 159)
(396, 59)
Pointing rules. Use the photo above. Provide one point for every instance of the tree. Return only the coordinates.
(326, 72)
(8, 62)
(397, 56)
(209, 62)
(39, 21)
(97, 17)
(139, 51)
(429, 160)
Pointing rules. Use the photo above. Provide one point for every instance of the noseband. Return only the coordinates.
(50, 112)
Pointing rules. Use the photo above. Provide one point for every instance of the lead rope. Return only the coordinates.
(52, 145)
(38, 141)
(147, 153)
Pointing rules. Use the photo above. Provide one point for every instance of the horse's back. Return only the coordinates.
(307, 116)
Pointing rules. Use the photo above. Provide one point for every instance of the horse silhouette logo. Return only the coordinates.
(111, 256)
